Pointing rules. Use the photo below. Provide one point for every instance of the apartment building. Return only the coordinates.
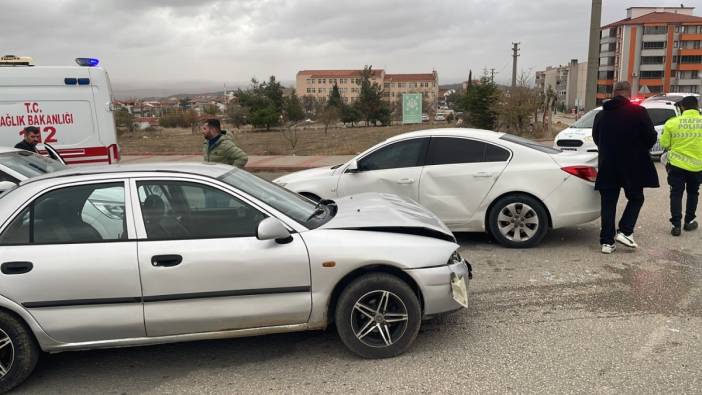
(319, 84)
(657, 49)
(567, 81)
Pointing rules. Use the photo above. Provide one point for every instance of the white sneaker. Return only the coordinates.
(626, 240)
(608, 248)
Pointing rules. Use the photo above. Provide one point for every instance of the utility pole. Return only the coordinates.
(492, 75)
(593, 55)
(515, 55)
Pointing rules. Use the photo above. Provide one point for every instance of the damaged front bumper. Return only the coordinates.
(444, 288)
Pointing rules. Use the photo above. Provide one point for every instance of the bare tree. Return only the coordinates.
(290, 133)
(329, 116)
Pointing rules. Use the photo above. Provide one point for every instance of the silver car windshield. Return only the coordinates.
(29, 164)
(287, 202)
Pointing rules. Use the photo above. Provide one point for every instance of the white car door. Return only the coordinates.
(202, 267)
(70, 259)
(394, 168)
(458, 174)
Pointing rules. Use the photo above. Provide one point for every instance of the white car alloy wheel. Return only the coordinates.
(518, 221)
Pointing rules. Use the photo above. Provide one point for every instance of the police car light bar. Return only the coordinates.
(87, 62)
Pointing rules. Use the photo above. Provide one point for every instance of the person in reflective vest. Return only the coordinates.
(682, 137)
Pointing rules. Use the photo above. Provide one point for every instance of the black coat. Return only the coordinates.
(624, 135)
(26, 146)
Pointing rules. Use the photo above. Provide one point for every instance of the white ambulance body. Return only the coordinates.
(71, 105)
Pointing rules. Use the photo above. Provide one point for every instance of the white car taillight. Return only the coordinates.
(587, 173)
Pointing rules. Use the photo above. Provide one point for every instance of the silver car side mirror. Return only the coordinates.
(272, 229)
(6, 185)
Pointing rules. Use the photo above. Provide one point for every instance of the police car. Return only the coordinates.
(578, 136)
(71, 105)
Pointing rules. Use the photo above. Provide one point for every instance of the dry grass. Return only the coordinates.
(311, 141)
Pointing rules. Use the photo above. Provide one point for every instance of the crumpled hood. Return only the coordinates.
(387, 212)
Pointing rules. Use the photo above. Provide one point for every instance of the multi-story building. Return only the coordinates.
(567, 82)
(319, 84)
(658, 50)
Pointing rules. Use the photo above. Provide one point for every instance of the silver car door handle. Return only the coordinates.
(483, 174)
(405, 181)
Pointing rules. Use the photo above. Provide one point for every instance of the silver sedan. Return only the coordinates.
(131, 255)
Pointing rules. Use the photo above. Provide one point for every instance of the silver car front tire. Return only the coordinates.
(378, 316)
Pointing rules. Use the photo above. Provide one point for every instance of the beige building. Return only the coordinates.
(568, 82)
(319, 84)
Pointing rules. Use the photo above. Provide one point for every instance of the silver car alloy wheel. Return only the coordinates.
(7, 353)
(518, 222)
(379, 318)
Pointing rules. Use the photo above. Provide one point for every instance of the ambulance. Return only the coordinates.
(71, 105)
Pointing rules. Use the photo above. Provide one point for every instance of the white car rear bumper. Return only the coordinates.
(575, 202)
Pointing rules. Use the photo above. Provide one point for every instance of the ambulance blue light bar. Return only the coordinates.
(87, 62)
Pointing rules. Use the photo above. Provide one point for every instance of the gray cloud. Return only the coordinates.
(150, 42)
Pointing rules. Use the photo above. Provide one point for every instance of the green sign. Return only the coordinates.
(411, 108)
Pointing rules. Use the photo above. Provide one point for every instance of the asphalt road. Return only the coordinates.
(560, 318)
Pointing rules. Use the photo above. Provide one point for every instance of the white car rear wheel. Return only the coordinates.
(518, 221)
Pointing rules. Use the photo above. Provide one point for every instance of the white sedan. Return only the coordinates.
(473, 180)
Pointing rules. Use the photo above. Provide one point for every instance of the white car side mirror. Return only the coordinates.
(272, 229)
(6, 185)
(353, 167)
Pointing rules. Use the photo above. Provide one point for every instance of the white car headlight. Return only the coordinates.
(588, 139)
(455, 258)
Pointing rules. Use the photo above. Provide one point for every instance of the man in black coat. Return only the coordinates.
(624, 135)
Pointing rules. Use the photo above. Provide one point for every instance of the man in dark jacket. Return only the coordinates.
(32, 137)
(624, 135)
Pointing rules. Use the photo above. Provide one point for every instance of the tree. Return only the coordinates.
(210, 109)
(470, 79)
(370, 101)
(263, 111)
(481, 104)
(516, 109)
(350, 114)
(335, 98)
(329, 116)
(274, 92)
(237, 114)
(265, 117)
(309, 103)
(124, 119)
(293, 109)
(550, 99)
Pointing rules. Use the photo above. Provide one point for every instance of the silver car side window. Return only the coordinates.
(196, 211)
(78, 214)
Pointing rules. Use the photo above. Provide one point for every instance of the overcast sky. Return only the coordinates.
(152, 42)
